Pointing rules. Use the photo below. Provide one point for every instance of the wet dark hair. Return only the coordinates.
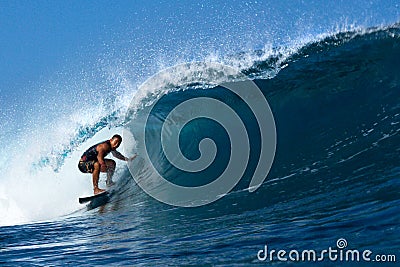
(117, 136)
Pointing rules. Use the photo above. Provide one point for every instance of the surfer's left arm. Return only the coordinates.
(121, 157)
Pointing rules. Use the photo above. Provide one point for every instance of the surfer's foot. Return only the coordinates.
(98, 190)
(110, 183)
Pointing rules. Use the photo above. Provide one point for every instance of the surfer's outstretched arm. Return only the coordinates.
(121, 157)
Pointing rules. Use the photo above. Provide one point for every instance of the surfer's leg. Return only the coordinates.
(96, 174)
(110, 171)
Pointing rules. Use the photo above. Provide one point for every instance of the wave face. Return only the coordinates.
(336, 104)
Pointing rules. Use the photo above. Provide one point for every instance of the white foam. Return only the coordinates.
(28, 195)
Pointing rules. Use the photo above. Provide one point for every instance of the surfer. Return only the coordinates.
(93, 161)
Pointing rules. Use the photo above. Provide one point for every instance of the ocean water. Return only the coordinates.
(335, 175)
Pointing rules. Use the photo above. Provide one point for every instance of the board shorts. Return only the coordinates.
(86, 166)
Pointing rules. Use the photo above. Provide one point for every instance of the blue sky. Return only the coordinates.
(57, 41)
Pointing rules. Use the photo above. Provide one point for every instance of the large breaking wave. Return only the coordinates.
(336, 106)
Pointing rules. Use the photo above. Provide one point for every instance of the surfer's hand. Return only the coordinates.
(132, 158)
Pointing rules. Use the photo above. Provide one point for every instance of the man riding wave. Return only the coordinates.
(93, 161)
